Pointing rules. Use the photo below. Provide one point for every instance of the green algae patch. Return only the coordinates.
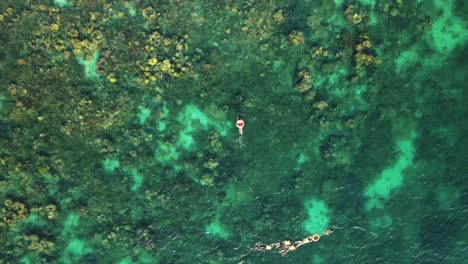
(130, 9)
(185, 140)
(448, 31)
(143, 114)
(318, 216)
(445, 38)
(74, 251)
(62, 3)
(391, 178)
(165, 110)
(137, 180)
(194, 120)
(368, 2)
(338, 3)
(73, 219)
(110, 165)
(89, 66)
(126, 260)
(302, 158)
(406, 58)
(167, 153)
(136, 177)
(161, 126)
(76, 247)
(26, 260)
(317, 259)
(35, 220)
(415, 56)
(372, 15)
(215, 229)
(145, 257)
(193, 114)
(336, 78)
(3, 99)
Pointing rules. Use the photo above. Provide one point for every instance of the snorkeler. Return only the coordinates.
(262, 247)
(306, 240)
(286, 246)
(328, 232)
(240, 124)
(285, 250)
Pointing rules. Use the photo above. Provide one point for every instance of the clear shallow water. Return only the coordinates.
(118, 138)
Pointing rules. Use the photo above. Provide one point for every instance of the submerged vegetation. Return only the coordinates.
(118, 142)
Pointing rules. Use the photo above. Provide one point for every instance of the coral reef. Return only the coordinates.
(118, 141)
(13, 212)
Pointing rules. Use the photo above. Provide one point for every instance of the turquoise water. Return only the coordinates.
(118, 141)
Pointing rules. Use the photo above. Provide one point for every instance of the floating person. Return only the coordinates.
(285, 250)
(240, 124)
(328, 232)
(262, 247)
(306, 240)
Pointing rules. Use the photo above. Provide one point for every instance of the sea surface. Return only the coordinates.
(118, 137)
